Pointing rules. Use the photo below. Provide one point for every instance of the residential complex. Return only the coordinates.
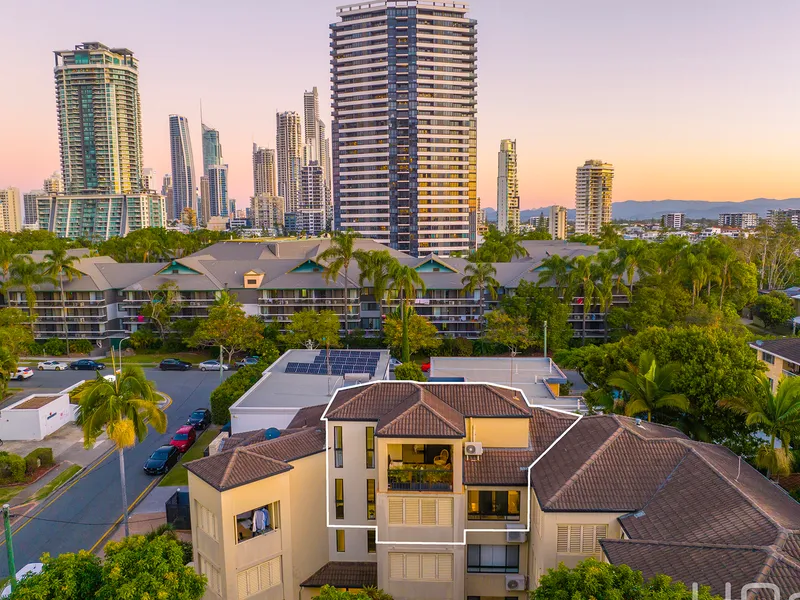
(557, 223)
(219, 205)
(183, 175)
(743, 220)
(289, 144)
(404, 124)
(53, 184)
(10, 210)
(507, 187)
(673, 220)
(264, 171)
(593, 183)
(472, 490)
(99, 119)
(266, 212)
(779, 216)
(311, 213)
(29, 203)
(148, 180)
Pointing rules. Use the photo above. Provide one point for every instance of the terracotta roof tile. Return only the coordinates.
(422, 415)
(308, 416)
(344, 575)
(498, 467)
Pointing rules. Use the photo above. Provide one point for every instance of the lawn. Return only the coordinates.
(7, 493)
(57, 481)
(179, 475)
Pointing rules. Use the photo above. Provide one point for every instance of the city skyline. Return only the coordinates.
(692, 98)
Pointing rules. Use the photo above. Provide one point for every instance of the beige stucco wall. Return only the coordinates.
(499, 433)
(774, 371)
(422, 590)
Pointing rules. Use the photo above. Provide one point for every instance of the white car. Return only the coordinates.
(22, 373)
(52, 365)
(28, 570)
(393, 363)
(211, 365)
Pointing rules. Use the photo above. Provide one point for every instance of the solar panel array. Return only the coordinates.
(341, 362)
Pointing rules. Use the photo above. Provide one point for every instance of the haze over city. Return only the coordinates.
(703, 108)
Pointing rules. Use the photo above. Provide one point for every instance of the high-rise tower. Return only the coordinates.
(311, 124)
(404, 130)
(217, 192)
(289, 144)
(212, 149)
(264, 171)
(593, 182)
(183, 177)
(507, 187)
(99, 119)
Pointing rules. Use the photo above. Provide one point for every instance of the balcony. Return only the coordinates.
(420, 478)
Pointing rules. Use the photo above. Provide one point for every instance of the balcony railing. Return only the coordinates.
(420, 478)
(789, 373)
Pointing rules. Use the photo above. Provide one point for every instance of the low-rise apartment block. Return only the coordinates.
(673, 220)
(781, 357)
(436, 491)
(744, 220)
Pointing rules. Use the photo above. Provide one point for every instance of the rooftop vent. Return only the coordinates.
(639, 423)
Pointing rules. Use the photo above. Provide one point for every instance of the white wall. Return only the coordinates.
(250, 419)
(35, 423)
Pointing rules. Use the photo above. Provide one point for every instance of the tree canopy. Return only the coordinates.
(422, 334)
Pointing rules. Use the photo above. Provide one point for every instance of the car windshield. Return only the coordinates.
(198, 414)
(160, 454)
(181, 437)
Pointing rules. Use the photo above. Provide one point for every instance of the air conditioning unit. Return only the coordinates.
(516, 534)
(515, 583)
(473, 449)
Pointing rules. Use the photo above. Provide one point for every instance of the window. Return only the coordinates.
(421, 511)
(206, 520)
(492, 559)
(252, 282)
(338, 455)
(211, 572)
(493, 505)
(580, 539)
(340, 540)
(768, 358)
(371, 499)
(371, 544)
(339, 485)
(259, 578)
(421, 567)
(370, 447)
(259, 521)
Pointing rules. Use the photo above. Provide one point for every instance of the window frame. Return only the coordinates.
(338, 489)
(508, 566)
(338, 447)
(372, 541)
(340, 540)
(370, 447)
(492, 516)
(371, 510)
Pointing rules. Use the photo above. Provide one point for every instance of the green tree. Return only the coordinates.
(228, 328)
(8, 367)
(122, 407)
(594, 580)
(508, 331)
(409, 371)
(376, 267)
(14, 333)
(328, 592)
(412, 334)
(775, 308)
(310, 329)
(405, 282)
(28, 275)
(539, 305)
(480, 276)
(499, 247)
(57, 265)
(557, 269)
(66, 577)
(582, 277)
(338, 257)
(8, 250)
(776, 414)
(648, 387)
(164, 302)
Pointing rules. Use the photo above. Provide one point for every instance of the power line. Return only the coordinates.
(78, 523)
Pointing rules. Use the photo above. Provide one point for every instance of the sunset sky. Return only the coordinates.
(689, 99)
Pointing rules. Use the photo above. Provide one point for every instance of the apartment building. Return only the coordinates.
(593, 187)
(507, 187)
(266, 212)
(673, 221)
(781, 358)
(10, 210)
(557, 223)
(184, 181)
(464, 490)
(747, 220)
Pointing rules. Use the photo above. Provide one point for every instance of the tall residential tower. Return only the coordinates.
(404, 130)
(593, 196)
(183, 178)
(507, 187)
(264, 171)
(289, 143)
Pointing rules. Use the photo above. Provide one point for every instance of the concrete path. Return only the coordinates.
(155, 500)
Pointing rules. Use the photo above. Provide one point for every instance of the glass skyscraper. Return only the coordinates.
(183, 177)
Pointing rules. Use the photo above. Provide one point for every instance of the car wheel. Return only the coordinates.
(41, 368)
(202, 368)
(58, 368)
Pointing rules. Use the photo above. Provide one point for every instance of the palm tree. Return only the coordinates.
(557, 268)
(150, 247)
(636, 258)
(375, 266)
(649, 387)
(123, 407)
(338, 256)
(57, 265)
(480, 276)
(8, 366)
(28, 275)
(583, 276)
(7, 254)
(777, 414)
(405, 281)
(511, 242)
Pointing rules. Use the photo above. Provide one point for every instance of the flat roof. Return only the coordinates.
(279, 389)
(34, 402)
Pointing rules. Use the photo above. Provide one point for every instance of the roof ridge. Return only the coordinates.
(765, 549)
(493, 389)
(435, 413)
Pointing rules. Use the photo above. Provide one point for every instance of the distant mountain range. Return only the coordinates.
(653, 209)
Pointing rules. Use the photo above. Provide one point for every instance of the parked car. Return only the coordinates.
(426, 366)
(200, 418)
(174, 364)
(85, 364)
(393, 363)
(28, 570)
(247, 361)
(211, 365)
(22, 373)
(162, 460)
(52, 365)
(183, 438)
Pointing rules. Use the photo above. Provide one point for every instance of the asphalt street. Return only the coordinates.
(78, 516)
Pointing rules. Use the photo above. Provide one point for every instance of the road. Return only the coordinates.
(78, 516)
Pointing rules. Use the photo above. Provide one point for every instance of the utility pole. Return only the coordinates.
(545, 339)
(221, 347)
(12, 570)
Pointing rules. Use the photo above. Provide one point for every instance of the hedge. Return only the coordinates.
(232, 389)
(41, 457)
(409, 371)
(12, 468)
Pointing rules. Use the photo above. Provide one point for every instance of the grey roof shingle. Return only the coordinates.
(788, 348)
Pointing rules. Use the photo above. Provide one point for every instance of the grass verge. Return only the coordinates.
(7, 493)
(57, 481)
(155, 358)
(179, 475)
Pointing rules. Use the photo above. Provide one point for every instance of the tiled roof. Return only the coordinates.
(788, 348)
(308, 416)
(422, 415)
(251, 461)
(344, 575)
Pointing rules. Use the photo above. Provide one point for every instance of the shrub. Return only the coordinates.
(232, 389)
(54, 347)
(456, 347)
(35, 349)
(409, 371)
(75, 394)
(144, 339)
(80, 346)
(12, 468)
(41, 457)
(775, 308)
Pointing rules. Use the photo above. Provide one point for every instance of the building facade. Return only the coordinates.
(10, 210)
(166, 191)
(311, 125)
(53, 184)
(593, 187)
(743, 220)
(99, 119)
(219, 204)
(507, 187)
(29, 202)
(148, 180)
(264, 171)
(289, 150)
(184, 184)
(266, 213)
(212, 149)
(557, 223)
(404, 132)
(311, 215)
(673, 221)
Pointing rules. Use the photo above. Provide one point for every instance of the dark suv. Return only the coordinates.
(200, 419)
(85, 364)
(174, 364)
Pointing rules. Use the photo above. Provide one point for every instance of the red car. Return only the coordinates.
(426, 366)
(183, 438)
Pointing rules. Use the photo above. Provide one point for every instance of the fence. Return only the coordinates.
(178, 514)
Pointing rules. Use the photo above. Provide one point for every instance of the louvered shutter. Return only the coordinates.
(574, 539)
(412, 566)
(412, 511)
(562, 544)
(445, 512)
(428, 506)
(601, 532)
(396, 568)
(263, 576)
(241, 585)
(428, 566)
(252, 581)
(445, 567)
(587, 539)
(395, 511)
